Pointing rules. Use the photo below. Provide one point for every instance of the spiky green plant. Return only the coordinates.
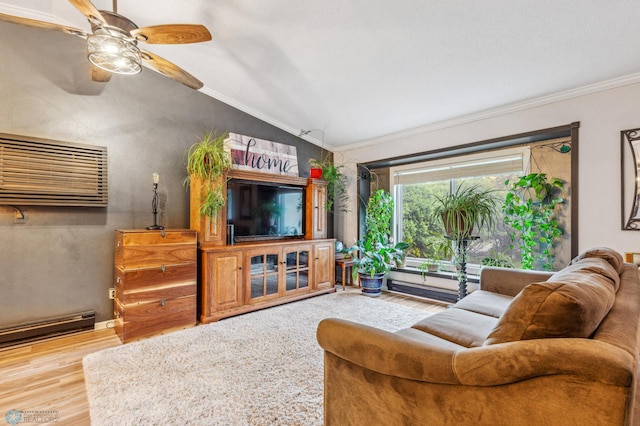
(208, 160)
(464, 209)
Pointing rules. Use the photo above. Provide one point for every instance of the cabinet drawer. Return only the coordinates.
(149, 248)
(134, 321)
(150, 256)
(141, 237)
(152, 284)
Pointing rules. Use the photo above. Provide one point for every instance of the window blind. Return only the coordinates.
(42, 172)
(497, 163)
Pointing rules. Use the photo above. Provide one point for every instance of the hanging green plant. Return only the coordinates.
(208, 160)
(464, 209)
(530, 210)
(336, 182)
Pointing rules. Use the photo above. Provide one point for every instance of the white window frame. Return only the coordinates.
(452, 168)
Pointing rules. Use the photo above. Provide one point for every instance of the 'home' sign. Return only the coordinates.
(260, 155)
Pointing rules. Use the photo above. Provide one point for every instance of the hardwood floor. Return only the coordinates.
(46, 377)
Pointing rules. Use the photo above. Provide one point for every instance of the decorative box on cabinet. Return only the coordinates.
(246, 277)
(155, 281)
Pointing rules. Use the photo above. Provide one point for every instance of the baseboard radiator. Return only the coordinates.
(28, 332)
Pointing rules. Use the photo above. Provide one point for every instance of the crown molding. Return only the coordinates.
(494, 112)
(264, 117)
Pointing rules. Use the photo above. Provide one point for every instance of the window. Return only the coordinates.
(415, 185)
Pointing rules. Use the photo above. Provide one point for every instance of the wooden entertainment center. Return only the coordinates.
(243, 277)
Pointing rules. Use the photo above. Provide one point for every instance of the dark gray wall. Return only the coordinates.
(61, 260)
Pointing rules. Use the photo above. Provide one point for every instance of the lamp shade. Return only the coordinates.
(114, 52)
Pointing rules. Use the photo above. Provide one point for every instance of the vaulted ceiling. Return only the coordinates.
(353, 71)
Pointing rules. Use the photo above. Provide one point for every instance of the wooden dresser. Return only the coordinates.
(155, 281)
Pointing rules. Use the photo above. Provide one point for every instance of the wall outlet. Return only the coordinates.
(112, 293)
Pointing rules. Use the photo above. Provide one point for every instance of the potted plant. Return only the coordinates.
(374, 255)
(464, 209)
(461, 211)
(442, 252)
(207, 163)
(335, 178)
(373, 261)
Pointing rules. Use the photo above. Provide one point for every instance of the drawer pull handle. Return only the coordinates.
(163, 302)
(118, 244)
(163, 233)
(164, 268)
(239, 268)
(117, 279)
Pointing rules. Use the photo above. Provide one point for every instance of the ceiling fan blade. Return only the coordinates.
(170, 70)
(99, 75)
(172, 34)
(88, 9)
(41, 24)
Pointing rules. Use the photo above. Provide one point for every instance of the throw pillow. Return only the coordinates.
(554, 309)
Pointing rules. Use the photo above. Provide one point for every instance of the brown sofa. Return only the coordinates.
(528, 348)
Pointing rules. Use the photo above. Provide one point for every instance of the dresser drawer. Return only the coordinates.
(149, 248)
(142, 237)
(153, 284)
(145, 319)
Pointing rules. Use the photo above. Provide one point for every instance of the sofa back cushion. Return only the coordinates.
(611, 256)
(572, 303)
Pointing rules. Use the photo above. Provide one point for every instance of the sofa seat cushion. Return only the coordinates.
(485, 302)
(573, 307)
(465, 328)
(430, 339)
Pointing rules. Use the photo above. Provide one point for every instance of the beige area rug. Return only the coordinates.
(261, 368)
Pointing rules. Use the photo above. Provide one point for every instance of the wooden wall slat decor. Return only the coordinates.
(51, 173)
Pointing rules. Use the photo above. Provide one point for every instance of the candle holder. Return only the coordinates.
(154, 207)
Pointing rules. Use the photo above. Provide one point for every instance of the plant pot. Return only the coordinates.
(315, 173)
(433, 267)
(371, 287)
(456, 224)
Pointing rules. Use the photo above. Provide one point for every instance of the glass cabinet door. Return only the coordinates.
(264, 275)
(297, 272)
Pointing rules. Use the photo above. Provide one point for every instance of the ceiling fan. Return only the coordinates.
(113, 42)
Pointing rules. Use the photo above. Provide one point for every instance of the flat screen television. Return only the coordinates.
(263, 211)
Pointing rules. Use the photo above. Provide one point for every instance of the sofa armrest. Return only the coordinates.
(395, 355)
(386, 352)
(509, 281)
(511, 362)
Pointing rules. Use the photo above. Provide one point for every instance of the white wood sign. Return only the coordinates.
(264, 156)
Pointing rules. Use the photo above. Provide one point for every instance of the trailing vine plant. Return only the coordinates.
(530, 210)
(379, 213)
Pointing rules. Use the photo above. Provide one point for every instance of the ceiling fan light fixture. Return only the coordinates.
(113, 51)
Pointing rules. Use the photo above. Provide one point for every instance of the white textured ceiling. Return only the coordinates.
(360, 70)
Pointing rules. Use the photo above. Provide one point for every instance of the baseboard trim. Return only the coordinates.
(103, 325)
